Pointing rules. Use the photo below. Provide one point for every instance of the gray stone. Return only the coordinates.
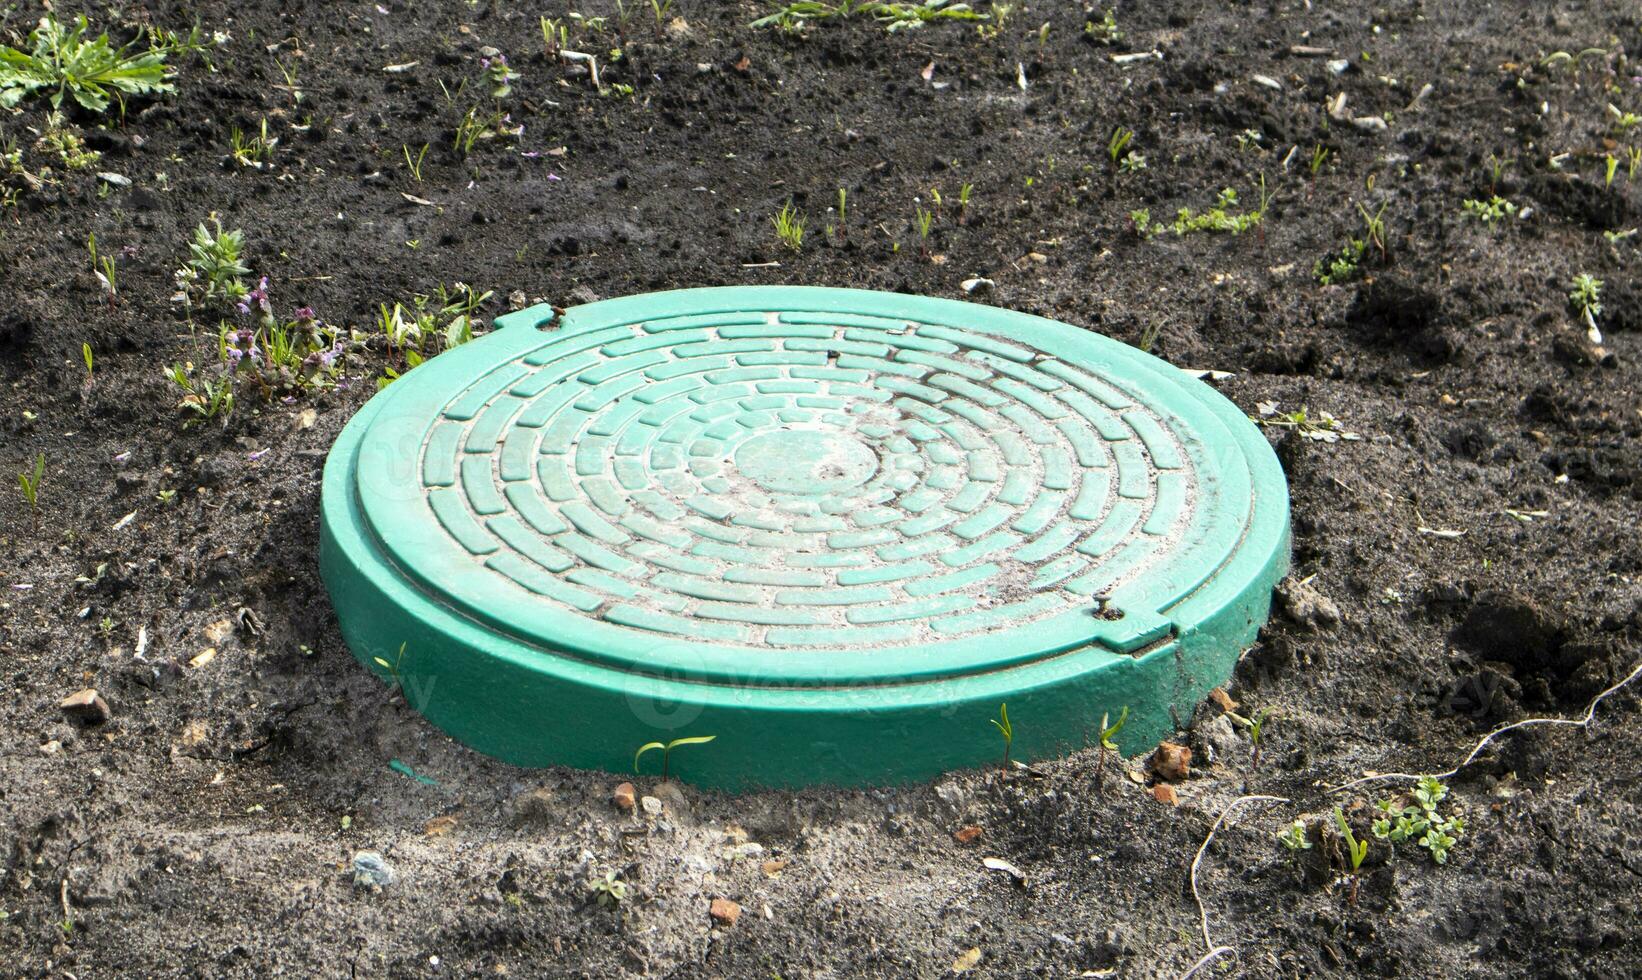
(371, 872)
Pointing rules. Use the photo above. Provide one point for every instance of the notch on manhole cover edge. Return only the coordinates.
(834, 528)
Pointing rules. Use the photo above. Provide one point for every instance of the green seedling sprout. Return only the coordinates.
(1356, 850)
(85, 355)
(1493, 210)
(393, 668)
(609, 891)
(31, 484)
(1611, 168)
(1585, 298)
(667, 750)
(1295, 838)
(789, 226)
(1105, 30)
(923, 221)
(843, 212)
(1001, 723)
(414, 164)
(1118, 142)
(1107, 733)
(1319, 156)
(1255, 725)
(964, 192)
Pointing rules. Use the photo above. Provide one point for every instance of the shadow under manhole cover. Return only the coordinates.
(833, 528)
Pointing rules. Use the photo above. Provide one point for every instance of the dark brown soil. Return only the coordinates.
(208, 827)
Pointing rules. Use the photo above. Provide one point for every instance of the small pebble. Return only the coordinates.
(724, 911)
(86, 706)
(1171, 761)
(370, 871)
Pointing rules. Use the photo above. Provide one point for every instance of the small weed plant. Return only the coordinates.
(1321, 427)
(609, 890)
(789, 226)
(256, 150)
(894, 16)
(1585, 298)
(1345, 265)
(1001, 723)
(428, 324)
(667, 750)
(1222, 218)
(214, 271)
(1421, 821)
(1107, 733)
(1103, 31)
(63, 61)
(499, 75)
(1491, 211)
(29, 481)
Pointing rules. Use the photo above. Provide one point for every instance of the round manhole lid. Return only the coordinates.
(795, 488)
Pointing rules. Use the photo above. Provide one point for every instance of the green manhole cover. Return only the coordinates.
(833, 528)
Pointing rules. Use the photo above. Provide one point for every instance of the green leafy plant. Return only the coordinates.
(1104, 31)
(922, 222)
(1295, 838)
(1344, 265)
(555, 36)
(1623, 122)
(85, 355)
(894, 16)
(667, 750)
(1221, 217)
(1322, 427)
(203, 398)
(1585, 298)
(64, 61)
(428, 324)
(1611, 168)
(789, 226)
(1107, 733)
(1118, 143)
(1421, 821)
(214, 268)
(1001, 723)
(1140, 219)
(965, 191)
(499, 75)
(1356, 850)
(29, 481)
(1493, 210)
(475, 126)
(67, 143)
(255, 151)
(609, 890)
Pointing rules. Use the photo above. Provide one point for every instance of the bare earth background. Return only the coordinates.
(208, 827)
